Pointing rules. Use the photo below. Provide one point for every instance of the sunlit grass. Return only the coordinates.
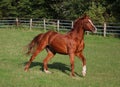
(102, 55)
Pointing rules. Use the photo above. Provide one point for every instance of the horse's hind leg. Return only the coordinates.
(38, 50)
(31, 59)
(46, 60)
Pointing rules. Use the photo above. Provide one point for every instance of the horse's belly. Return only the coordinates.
(61, 49)
(59, 46)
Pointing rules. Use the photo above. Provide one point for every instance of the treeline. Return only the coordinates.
(98, 10)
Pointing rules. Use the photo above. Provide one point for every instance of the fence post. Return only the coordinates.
(105, 27)
(87, 32)
(31, 24)
(17, 22)
(44, 25)
(58, 25)
(72, 25)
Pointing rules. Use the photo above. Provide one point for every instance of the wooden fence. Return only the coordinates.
(58, 25)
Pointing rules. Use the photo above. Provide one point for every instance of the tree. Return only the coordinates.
(38, 9)
(24, 8)
(66, 9)
(7, 8)
(96, 11)
(115, 7)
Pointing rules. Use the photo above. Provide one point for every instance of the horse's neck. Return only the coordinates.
(77, 33)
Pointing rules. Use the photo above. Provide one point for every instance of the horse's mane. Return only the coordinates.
(78, 21)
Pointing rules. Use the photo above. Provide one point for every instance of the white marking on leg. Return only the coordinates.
(46, 71)
(84, 70)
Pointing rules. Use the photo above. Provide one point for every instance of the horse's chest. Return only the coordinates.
(80, 47)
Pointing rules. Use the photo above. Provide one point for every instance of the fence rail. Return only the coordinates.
(58, 25)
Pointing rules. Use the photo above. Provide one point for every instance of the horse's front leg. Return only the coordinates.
(72, 63)
(48, 57)
(80, 56)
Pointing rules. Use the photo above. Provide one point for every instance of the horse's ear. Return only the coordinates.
(85, 15)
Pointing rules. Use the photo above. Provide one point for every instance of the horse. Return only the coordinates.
(71, 43)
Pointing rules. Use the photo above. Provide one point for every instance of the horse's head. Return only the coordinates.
(88, 24)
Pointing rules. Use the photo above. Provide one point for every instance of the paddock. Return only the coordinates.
(102, 56)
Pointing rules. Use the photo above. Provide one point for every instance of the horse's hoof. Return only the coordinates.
(48, 72)
(83, 73)
(25, 69)
(72, 75)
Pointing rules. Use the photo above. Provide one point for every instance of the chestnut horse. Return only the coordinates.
(71, 43)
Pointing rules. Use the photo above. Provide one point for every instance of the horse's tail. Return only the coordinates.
(40, 40)
(31, 47)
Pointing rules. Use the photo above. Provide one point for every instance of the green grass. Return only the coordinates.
(102, 55)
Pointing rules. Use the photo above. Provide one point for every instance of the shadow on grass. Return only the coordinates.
(55, 65)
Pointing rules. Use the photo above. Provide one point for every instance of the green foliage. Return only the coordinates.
(96, 12)
(68, 9)
(24, 8)
(99, 10)
(7, 8)
(116, 9)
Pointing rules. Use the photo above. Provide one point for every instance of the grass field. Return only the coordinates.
(102, 55)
